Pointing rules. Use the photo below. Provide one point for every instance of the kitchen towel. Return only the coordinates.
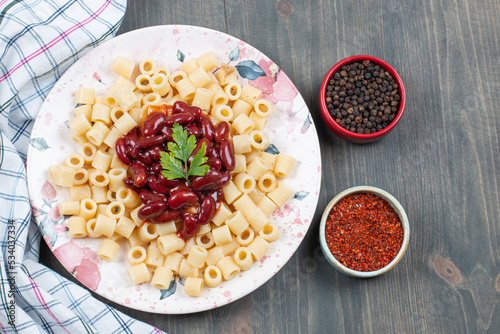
(39, 40)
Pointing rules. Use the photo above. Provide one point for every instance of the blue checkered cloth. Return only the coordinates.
(39, 40)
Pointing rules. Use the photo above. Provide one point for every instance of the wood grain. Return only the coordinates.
(441, 162)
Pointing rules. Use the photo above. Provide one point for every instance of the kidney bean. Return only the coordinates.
(207, 210)
(153, 124)
(180, 107)
(156, 168)
(154, 152)
(222, 131)
(167, 132)
(189, 227)
(217, 196)
(132, 137)
(200, 196)
(133, 151)
(207, 128)
(198, 147)
(226, 153)
(213, 153)
(169, 183)
(151, 210)
(121, 151)
(208, 181)
(146, 142)
(147, 196)
(129, 183)
(182, 198)
(155, 185)
(178, 188)
(193, 130)
(144, 157)
(166, 217)
(139, 174)
(226, 177)
(214, 163)
(196, 111)
(181, 118)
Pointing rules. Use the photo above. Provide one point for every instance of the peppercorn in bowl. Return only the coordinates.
(362, 98)
(364, 232)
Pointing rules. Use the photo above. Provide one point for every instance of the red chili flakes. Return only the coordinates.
(363, 232)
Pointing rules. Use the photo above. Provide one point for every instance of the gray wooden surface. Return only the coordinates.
(441, 162)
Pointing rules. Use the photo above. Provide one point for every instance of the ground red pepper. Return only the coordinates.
(363, 232)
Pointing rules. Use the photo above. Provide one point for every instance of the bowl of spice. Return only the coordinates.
(362, 98)
(364, 232)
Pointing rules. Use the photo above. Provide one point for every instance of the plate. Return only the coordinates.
(290, 128)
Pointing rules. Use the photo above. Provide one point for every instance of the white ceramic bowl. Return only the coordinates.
(395, 205)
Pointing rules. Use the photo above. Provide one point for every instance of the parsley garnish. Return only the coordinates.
(175, 163)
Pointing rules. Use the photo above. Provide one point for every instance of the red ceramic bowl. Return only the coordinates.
(346, 134)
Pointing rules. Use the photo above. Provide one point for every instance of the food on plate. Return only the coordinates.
(175, 163)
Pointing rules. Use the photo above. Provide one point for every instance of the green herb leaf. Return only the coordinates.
(184, 145)
(175, 163)
(197, 166)
(172, 167)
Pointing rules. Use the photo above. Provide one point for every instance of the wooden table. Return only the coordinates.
(441, 162)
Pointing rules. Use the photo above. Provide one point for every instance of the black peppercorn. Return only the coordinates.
(363, 97)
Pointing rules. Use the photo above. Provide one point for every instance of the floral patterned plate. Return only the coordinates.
(290, 128)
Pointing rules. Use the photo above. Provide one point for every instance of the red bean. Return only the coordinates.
(198, 147)
(147, 196)
(156, 168)
(208, 181)
(181, 199)
(207, 210)
(226, 154)
(196, 111)
(129, 183)
(217, 196)
(181, 118)
(144, 157)
(193, 130)
(139, 174)
(207, 128)
(151, 210)
(132, 137)
(154, 152)
(213, 153)
(146, 142)
(226, 177)
(178, 188)
(189, 227)
(222, 131)
(200, 197)
(167, 132)
(155, 185)
(153, 124)
(169, 183)
(121, 151)
(166, 217)
(180, 107)
(214, 163)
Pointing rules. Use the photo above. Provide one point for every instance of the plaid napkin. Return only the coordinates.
(39, 40)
